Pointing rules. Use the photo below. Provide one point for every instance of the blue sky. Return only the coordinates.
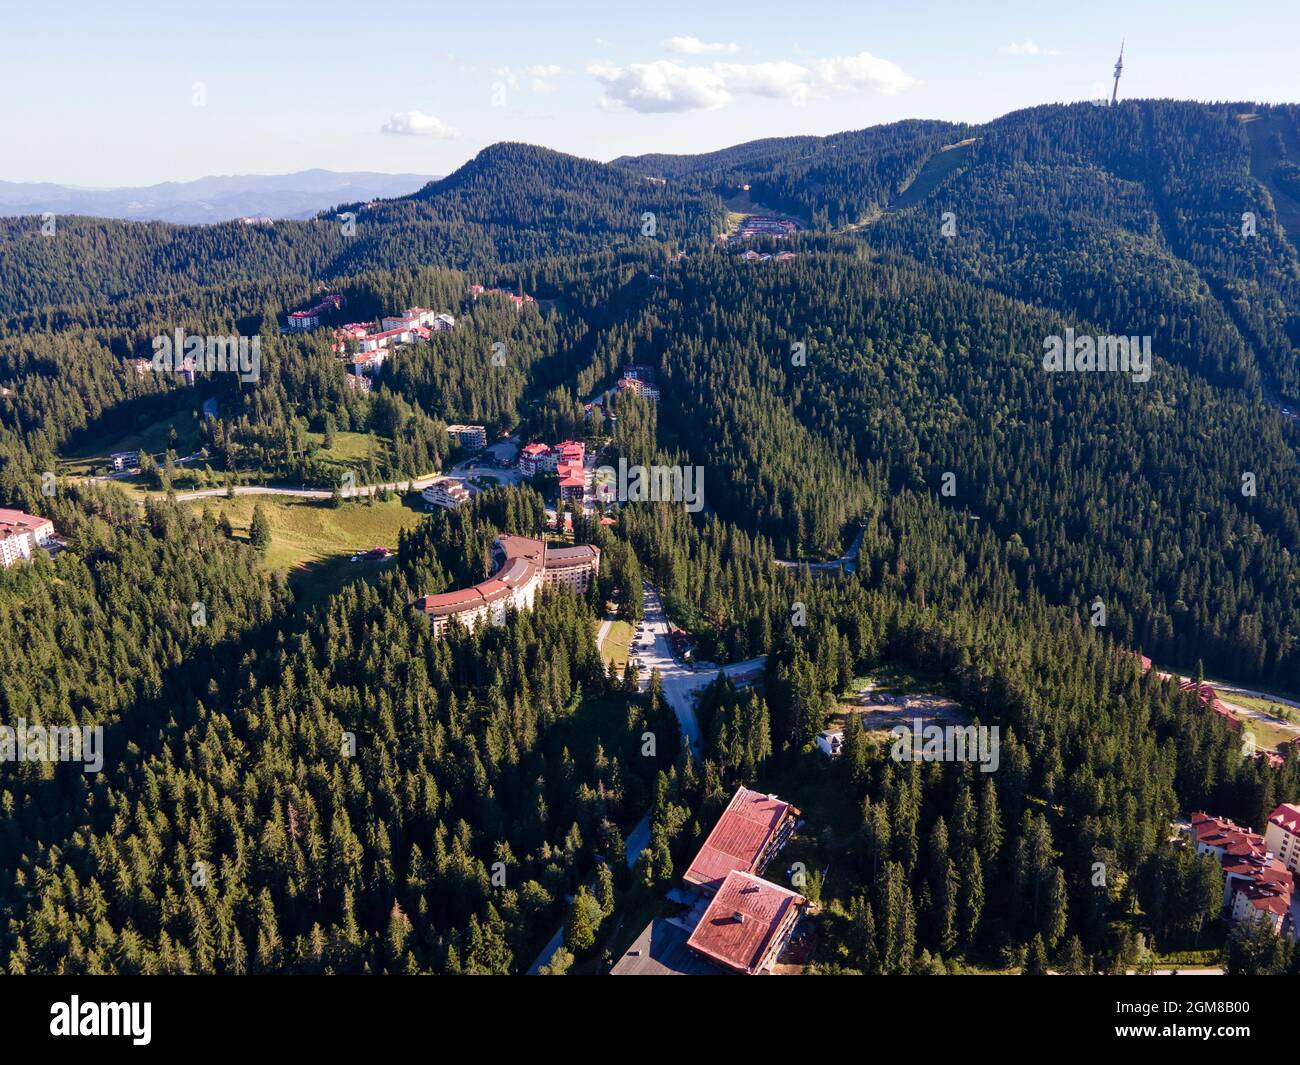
(105, 93)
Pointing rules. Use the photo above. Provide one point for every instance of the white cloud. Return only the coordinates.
(1028, 47)
(865, 71)
(669, 86)
(540, 75)
(695, 46)
(659, 87)
(781, 80)
(418, 124)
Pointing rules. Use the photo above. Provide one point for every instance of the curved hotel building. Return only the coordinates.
(525, 566)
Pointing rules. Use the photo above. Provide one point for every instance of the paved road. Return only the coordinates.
(308, 493)
(848, 562)
(680, 682)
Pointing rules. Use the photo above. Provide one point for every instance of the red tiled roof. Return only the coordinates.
(742, 921)
(1286, 816)
(21, 520)
(739, 838)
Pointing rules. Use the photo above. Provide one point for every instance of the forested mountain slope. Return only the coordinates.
(512, 202)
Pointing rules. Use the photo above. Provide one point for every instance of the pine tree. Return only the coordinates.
(259, 530)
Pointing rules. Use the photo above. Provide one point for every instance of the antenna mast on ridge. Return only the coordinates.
(1119, 69)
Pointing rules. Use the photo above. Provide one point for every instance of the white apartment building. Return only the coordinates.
(446, 492)
(1282, 837)
(21, 534)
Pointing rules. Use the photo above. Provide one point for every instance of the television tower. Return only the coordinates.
(1119, 69)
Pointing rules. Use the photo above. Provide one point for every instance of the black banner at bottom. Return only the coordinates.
(526, 1015)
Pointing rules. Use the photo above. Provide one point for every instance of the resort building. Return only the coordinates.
(524, 566)
(21, 534)
(750, 831)
(446, 492)
(418, 318)
(473, 437)
(732, 920)
(544, 458)
(1256, 884)
(1282, 837)
(748, 923)
(640, 381)
(310, 318)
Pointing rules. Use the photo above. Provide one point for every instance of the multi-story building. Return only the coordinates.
(473, 437)
(640, 381)
(572, 567)
(1256, 884)
(418, 318)
(21, 534)
(369, 363)
(124, 460)
(734, 921)
(573, 483)
(532, 457)
(1282, 837)
(765, 226)
(310, 318)
(525, 566)
(519, 300)
(446, 492)
(541, 458)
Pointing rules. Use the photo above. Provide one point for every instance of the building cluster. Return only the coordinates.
(756, 225)
(1258, 871)
(300, 321)
(524, 566)
(145, 366)
(519, 300)
(567, 460)
(21, 534)
(733, 920)
(365, 348)
(472, 437)
(752, 256)
(640, 381)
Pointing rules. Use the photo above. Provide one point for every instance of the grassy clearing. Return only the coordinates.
(350, 449)
(312, 541)
(1268, 736)
(1265, 706)
(617, 642)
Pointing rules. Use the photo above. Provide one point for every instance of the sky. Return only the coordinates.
(137, 92)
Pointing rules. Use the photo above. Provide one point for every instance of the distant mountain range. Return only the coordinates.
(211, 199)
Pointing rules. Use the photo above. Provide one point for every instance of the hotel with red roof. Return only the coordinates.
(750, 831)
(1282, 836)
(1257, 883)
(525, 565)
(21, 534)
(734, 921)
